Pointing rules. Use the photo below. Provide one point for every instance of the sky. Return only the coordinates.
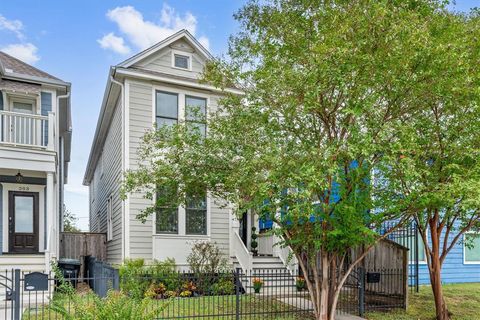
(78, 40)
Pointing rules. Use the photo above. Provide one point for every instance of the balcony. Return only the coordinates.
(27, 130)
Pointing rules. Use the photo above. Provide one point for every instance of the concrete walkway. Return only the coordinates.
(302, 303)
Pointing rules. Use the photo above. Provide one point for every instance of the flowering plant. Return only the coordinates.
(257, 284)
(300, 283)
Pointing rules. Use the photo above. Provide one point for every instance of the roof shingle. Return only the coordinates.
(20, 67)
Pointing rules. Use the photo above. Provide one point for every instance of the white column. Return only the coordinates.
(51, 221)
(51, 131)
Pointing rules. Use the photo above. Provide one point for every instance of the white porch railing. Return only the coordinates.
(244, 257)
(286, 255)
(29, 130)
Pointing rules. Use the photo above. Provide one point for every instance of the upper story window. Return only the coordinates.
(166, 108)
(181, 61)
(23, 105)
(196, 113)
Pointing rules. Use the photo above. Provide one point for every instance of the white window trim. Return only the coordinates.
(465, 251)
(109, 219)
(420, 243)
(185, 54)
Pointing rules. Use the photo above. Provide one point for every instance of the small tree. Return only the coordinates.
(434, 163)
(69, 221)
(326, 85)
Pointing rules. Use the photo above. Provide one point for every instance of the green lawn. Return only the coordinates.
(463, 301)
(224, 307)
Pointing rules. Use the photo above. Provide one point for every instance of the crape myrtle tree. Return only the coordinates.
(326, 86)
(438, 174)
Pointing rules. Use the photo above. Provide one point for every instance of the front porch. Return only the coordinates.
(269, 253)
(28, 227)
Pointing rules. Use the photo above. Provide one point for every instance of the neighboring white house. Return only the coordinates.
(156, 86)
(35, 137)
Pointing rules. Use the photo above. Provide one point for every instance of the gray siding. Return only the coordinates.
(220, 225)
(162, 61)
(107, 182)
(140, 120)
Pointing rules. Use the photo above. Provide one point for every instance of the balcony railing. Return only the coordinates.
(28, 130)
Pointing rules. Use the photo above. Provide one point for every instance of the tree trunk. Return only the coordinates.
(436, 282)
(324, 292)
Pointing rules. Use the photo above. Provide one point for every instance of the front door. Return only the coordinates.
(23, 222)
(243, 231)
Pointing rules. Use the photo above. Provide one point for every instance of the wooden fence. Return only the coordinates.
(78, 245)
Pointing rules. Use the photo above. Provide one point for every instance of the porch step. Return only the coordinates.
(24, 262)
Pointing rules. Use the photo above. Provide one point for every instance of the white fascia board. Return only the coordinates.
(94, 150)
(164, 43)
(39, 80)
(148, 76)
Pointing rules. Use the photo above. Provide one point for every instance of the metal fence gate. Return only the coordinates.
(408, 236)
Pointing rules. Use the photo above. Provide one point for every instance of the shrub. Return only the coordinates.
(161, 267)
(185, 294)
(205, 260)
(165, 271)
(62, 285)
(132, 282)
(224, 286)
(116, 306)
(206, 257)
(155, 291)
(170, 294)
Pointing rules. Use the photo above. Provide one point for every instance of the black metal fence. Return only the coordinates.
(259, 294)
(408, 236)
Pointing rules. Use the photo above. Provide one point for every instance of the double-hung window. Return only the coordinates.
(472, 248)
(196, 214)
(166, 215)
(196, 114)
(166, 108)
(181, 61)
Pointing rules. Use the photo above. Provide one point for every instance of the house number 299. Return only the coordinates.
(23, 188)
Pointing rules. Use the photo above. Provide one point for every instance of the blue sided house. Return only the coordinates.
(462, 264)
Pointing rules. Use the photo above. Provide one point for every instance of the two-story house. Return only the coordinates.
(158, 85)
(35, 137)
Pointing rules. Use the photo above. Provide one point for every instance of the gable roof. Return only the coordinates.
(166, 42)
(15, 68)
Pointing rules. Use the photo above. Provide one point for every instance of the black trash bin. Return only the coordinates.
(70, 270)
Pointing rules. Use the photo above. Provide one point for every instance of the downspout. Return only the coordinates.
(125, 206)
(60, 180)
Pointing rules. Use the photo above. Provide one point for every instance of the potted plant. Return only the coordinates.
(254, 243)
(300, 283)
(257, 284)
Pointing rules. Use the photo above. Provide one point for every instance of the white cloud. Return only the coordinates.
(143, 33)
(15, 26)
(27, 52)
(112, 42)
(204, 42)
